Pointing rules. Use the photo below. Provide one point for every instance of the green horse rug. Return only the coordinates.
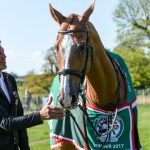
(124, 133)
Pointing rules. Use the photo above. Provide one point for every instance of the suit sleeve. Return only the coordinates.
(9, 123)
(21, 122)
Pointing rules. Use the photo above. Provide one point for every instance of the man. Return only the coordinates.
(13, 134)
(27, 99)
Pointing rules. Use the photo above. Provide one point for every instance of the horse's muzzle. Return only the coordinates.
(68, 102)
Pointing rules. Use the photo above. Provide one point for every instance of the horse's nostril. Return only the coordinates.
(73, 99)
(61, 103)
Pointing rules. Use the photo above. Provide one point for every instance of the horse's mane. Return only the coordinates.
(95, 38)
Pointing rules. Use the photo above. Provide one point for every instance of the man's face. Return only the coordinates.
(2, 59)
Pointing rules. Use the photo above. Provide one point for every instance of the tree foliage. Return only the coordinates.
(133, 27)
(50, 64)
(133, 21)
(38, 84)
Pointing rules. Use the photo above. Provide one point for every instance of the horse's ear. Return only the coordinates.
(57, 16)
(87, 13)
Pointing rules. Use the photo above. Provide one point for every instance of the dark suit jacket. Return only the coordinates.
(12, 122)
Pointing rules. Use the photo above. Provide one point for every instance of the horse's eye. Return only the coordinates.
(81, 46)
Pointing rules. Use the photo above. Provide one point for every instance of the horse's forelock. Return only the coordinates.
(73, 19)
(70, 19)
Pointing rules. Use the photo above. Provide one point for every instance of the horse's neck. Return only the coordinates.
(101, 79)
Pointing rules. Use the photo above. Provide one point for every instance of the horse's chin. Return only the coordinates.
(68, 102)
(67, 106)
(73, 106)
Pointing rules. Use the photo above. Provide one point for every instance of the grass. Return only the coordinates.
(39, 135)
(144, 125)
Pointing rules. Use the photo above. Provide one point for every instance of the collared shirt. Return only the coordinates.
(4, 88)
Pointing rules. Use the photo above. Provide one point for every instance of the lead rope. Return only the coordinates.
(84, 110)
(84, 124)
(109, 127)
(109, 116)
(74, 119)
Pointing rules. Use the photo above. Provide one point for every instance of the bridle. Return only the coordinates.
(80, 74)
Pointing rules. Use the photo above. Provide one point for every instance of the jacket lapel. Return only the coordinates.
(8, 84)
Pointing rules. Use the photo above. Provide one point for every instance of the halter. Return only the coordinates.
(80, 74)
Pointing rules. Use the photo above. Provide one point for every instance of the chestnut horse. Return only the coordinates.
(91, 77)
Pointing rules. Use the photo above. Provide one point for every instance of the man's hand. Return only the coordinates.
(52, 112)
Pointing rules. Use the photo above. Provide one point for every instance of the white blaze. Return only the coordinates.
(67, 42)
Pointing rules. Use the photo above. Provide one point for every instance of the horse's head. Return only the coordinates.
(73, 51)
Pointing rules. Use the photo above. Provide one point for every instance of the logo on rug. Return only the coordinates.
(102, 126)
